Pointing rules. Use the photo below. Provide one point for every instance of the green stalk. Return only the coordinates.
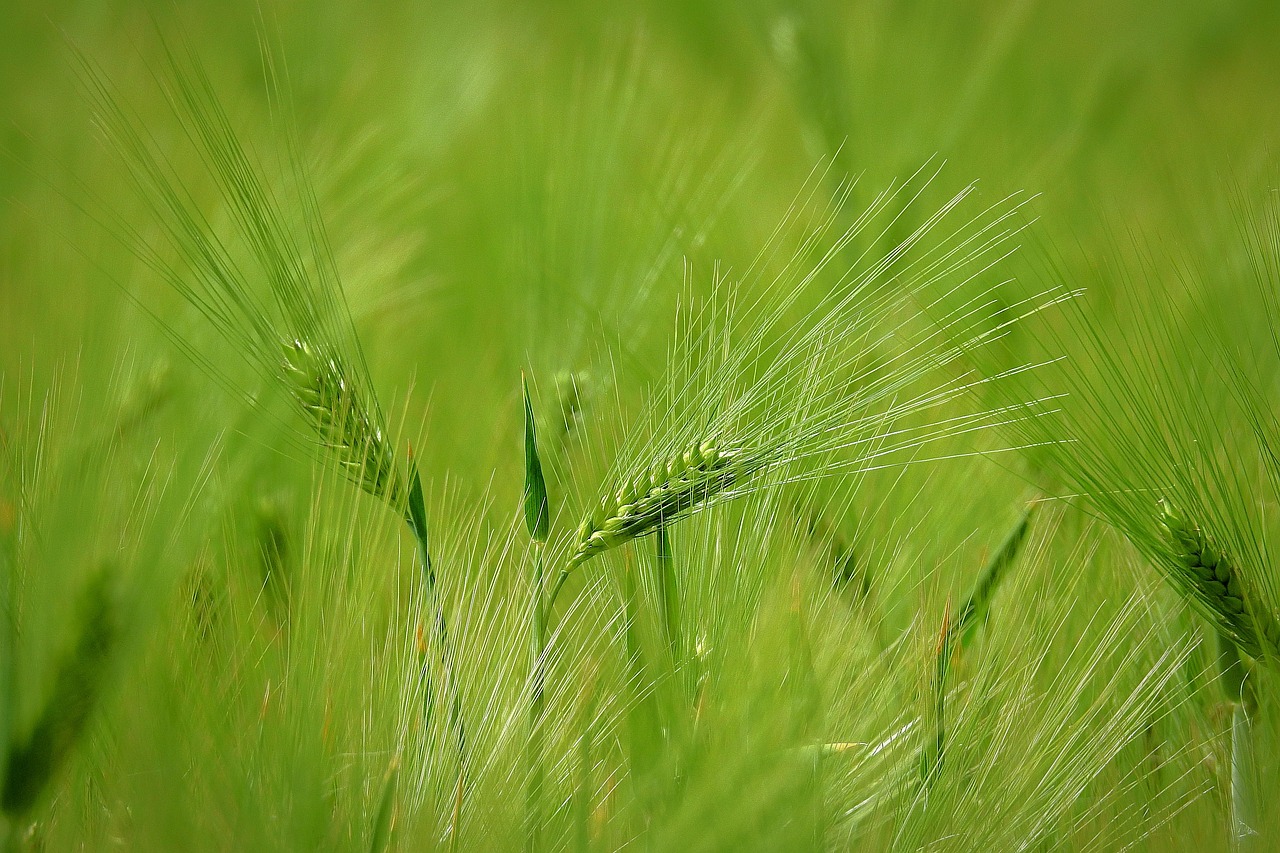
(537, 517)
(932, 756)
(417, 519)
(7, 683)
(1243, 813)
(555, 589)
(642, 716)
(669, 594)
(582, 797)
(537, 705)
(78, 684)
(382, 825)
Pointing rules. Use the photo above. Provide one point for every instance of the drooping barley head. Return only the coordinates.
(1212, 576)
(664, 492)
(343, 418)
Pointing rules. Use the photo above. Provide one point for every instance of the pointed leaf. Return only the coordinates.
(537, 515)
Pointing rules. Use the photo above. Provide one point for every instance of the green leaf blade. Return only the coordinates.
(537, 513)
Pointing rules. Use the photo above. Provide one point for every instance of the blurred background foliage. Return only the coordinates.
(538, 186)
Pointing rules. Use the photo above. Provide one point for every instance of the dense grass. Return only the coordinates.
(813, 300)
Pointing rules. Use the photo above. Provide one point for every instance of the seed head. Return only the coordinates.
(669, 489)
(1212, 576)
(342, 418)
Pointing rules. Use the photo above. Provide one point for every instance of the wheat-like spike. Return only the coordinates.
(337, 409)
(1212, 576)
(668, 490)
(33, 762)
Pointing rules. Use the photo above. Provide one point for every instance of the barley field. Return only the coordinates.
(670, 426)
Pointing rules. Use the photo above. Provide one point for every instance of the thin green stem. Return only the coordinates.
(7, 680)
(537, 705)
(417, 520)
(555, 590)
(585, 786)
(669, 594)
(934, 754)
(1234, 678)
(642, 717)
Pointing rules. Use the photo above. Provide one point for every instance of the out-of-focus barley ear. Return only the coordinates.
(146, 396)
(340, 413)
(933, 754)
(961, 628)
(573, 390)
(33, 761)
(271, 532)
(973, 615)
(1210, 577)
(846, 572)
(384, 823)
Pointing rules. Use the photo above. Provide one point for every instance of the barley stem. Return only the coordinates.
(643, 715)
(7, 682)
(669, 593)
(32, 762)
(555, 589)
(1234, 678)
(537, 517)
(974, 612)
(932, 756)
(582, 797)
(384, 822)
(416, 516)
(537, 706)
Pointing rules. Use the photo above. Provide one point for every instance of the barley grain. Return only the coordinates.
(1211, 575)
(338, 410)
(665, 492)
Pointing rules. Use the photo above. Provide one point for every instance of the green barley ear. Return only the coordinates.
(573, 390)
(537, 516)
(33, 762)
(1212, 578)
(271, 531)
(340, 413)
(933, 753)
(667, 491)
(265, 280)
(973, 614)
